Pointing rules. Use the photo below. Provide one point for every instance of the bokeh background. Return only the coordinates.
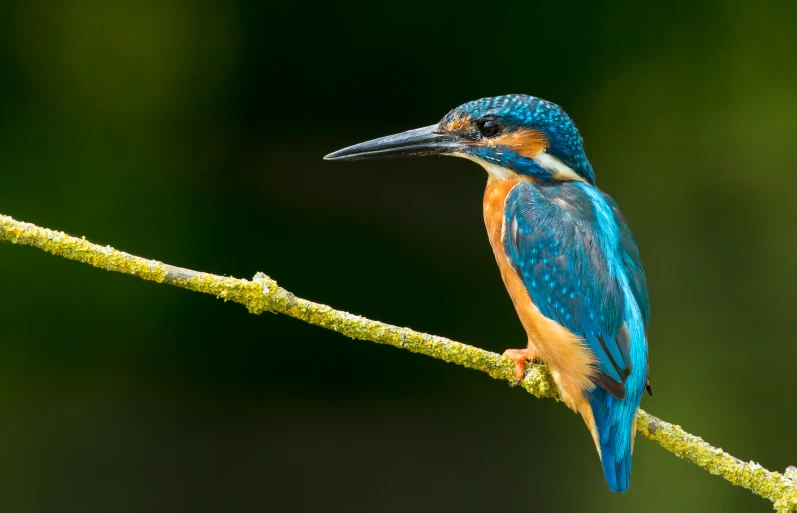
(192, 132)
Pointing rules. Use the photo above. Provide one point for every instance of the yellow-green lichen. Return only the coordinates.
(537, 381)
(256, 295)
(771, 485)
(79, 249)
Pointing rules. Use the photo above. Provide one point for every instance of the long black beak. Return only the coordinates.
(421, 141)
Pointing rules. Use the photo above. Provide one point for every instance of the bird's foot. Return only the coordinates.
(520, 357)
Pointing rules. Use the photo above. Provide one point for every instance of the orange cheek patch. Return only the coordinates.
(524, 142)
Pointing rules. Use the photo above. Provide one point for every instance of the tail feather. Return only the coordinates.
(617, 470)
(614, 420)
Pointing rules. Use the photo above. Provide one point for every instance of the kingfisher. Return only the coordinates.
(565, 252)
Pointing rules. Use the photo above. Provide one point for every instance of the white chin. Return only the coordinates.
(558, 169)
(494, 170)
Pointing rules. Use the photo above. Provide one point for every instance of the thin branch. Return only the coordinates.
(262, 294)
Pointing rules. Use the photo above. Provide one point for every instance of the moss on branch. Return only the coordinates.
(262, 294)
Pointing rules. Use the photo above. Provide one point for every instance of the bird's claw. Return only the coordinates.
(519, 357)
(517, 381)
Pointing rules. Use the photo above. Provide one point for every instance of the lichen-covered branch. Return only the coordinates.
(262, 294)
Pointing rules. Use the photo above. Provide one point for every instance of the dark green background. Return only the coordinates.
(192, 132)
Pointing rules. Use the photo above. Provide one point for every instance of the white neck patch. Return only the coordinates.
(557, 168)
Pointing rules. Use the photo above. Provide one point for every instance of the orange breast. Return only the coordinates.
(572, 364)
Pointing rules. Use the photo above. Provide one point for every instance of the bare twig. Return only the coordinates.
(262, 294)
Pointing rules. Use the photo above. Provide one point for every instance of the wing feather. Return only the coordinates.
(553, 243)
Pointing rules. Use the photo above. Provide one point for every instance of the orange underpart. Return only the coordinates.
(565, 354)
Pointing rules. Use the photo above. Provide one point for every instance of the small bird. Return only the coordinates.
(565, 252)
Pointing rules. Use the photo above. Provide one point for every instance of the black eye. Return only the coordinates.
(489, 127)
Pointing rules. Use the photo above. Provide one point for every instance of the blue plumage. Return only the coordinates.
(565, 251)
(581, 267)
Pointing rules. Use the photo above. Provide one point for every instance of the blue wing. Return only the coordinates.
(631, 261)
(554, 241)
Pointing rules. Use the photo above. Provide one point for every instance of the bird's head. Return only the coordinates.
(508, 134)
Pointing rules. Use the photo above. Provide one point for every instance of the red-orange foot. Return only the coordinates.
(520, 357)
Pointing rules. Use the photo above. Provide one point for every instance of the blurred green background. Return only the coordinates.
(192, 132)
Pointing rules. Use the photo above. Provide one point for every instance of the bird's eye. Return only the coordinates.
(489, 127)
